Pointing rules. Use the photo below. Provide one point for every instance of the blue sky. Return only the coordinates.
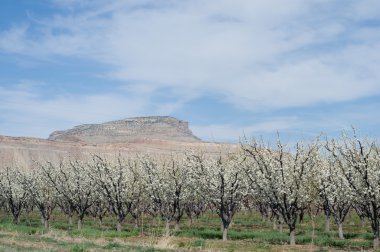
(229, 67)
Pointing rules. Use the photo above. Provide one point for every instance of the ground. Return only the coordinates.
(247, 233)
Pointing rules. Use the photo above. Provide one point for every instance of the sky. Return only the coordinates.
(231, 68)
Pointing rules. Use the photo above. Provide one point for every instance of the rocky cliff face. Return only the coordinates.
(128, 131)
(128, 137)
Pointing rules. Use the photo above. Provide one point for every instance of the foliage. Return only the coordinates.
(338, 177)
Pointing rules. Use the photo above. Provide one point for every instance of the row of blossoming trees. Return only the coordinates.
(282, 182)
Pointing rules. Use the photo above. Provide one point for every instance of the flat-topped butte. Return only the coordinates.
(129, 130)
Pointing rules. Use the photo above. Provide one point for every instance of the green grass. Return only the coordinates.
(249, 229)
(199, 243)
(90, 232)
(112, 245)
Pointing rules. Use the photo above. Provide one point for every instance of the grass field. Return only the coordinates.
(247, 233)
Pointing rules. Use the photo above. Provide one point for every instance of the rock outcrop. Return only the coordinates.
(128, 131)
(147, 135)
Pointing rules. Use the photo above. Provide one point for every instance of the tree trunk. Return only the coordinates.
(301, 216)
(118, 226)
(281, 228)
(176, 228)
(327, 223)
(313, 228)
(340, 230)
(142, 225)
(292, 236)
(79, 224)
(375, 235)
(100, 222)
(274, 225)
(46, 224)
(225, 230)
(376, 242)
(167, 228)
(70, 220)
(16, 219)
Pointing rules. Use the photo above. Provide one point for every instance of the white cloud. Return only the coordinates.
(24, 112)
(256, 54)
(301, 126)
(233, 132)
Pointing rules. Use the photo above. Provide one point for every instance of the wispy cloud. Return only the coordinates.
(234, 132)
(255, 55)
(25, 112)
(252, 53)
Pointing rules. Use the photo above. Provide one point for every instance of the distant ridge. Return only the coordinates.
(128, 130)
(153, 135)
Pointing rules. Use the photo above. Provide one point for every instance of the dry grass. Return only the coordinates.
(16, 241)
(248, 233)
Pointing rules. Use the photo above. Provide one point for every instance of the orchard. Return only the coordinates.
(333, 178)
